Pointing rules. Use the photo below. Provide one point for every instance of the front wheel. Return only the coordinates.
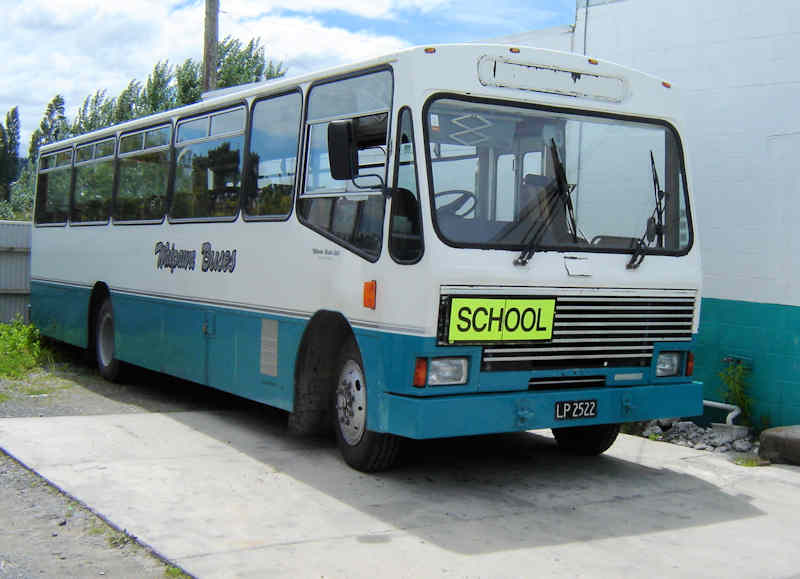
(104, 342)
(362, 449)
(586, 440)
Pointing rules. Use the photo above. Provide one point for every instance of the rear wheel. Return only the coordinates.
(362, 449)
(586, 440)
(104, 342)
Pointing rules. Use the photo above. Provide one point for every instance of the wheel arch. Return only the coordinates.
(315, 365)
(99, 293)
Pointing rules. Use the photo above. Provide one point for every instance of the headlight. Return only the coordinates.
(447, 371)
(668, 364)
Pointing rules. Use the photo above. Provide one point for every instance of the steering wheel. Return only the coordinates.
(462, 197)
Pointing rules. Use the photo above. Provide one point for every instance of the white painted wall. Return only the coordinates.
(736, 64)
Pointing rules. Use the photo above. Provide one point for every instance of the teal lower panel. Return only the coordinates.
(61, 312)
(513, 411)
(218, 347)
(767, 338)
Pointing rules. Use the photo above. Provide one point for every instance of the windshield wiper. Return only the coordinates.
(562, 192)
(655, 223)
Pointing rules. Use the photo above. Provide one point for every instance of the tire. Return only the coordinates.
(362, 449)
(586, 440)
(107, 363)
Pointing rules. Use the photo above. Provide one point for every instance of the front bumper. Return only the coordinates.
(471, 414)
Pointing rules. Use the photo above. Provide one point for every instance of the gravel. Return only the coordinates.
(720, 439)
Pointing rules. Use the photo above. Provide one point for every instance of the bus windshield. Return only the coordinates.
(507, 177)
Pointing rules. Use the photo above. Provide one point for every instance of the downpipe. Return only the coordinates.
(733, 410)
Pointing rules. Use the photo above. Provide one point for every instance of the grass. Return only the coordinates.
(751, 461)
(172, 571)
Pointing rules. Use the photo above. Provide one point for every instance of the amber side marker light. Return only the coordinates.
(689, 363)
(370, 294)
(420, 372)
(666, 84)
(514, 50)
(594, 61)
(430, 50)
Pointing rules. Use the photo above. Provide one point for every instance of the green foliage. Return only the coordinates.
(20, 349)
(188, 83)
(54, 126)
(9, 153)
(736, 389)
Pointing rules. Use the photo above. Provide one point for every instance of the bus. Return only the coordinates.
(446, 241)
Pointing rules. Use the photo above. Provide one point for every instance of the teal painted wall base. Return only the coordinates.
(767, 336)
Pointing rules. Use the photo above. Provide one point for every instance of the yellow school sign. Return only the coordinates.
(500, 320)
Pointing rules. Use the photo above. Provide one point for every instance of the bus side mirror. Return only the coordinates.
(342, 150)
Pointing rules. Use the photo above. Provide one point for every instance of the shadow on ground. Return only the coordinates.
(501, 492)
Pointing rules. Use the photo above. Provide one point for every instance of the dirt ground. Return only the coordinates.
(45, 533)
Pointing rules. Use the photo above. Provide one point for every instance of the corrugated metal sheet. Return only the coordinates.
(15, 269)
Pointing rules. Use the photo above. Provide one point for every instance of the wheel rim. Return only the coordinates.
(105, 339)
(351, 403)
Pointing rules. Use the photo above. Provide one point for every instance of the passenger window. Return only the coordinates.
(94, 182)
(143, 175)
(53, 188)
(269, 186)
(208, 168)
(346, 211)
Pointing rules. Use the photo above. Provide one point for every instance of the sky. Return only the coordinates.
(74, 47)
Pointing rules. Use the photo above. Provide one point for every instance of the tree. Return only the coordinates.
(96, 112)
(241, 65)
(9, 153)
(188, 82)
(127, 103)
(54, 126)
(158, 93)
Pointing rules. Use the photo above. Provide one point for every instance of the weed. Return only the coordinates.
(736, 390)
(172, 571)
(20, 348)
(654, 436)
(4, 397)
(95, 529)
(118, 540)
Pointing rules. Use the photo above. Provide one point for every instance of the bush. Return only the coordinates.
(20, 348)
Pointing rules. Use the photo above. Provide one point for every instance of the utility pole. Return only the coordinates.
(210, 46)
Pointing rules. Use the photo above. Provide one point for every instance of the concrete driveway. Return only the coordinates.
(230, 494)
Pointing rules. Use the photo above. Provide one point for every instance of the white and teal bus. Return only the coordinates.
(446, 241)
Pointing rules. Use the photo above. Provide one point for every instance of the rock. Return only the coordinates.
(701, 446)
(742, 445)
(723, 448)
(652, 430)
(780, 444)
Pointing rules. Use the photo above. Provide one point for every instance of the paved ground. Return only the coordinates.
(229, 494)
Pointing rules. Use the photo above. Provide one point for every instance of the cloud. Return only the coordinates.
(74, 47)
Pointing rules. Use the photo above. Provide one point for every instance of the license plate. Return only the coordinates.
(574, 409)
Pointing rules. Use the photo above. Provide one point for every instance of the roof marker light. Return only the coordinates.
(666, 84)
(594, 61)
(514, 50)
(430, 50)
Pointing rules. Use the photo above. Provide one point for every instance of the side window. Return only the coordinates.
(53, 187)
(405, 221)
(351, 213)
(269, 185)
(143, 175)
(208, 168)
(94, 182)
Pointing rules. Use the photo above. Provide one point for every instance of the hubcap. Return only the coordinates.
(351, 403)
(105, 340)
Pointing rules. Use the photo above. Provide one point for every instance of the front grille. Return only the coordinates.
(598, 332)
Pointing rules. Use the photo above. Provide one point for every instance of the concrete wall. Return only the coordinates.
(735, 62)
(15, 269)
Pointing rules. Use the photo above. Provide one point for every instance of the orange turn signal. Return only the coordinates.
(594, 61)
(430, 50)
(420, 372)
(514, 50)
(370, 294)
(689, 363)
(666, 84)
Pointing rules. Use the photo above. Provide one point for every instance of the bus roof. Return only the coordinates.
(526, 56)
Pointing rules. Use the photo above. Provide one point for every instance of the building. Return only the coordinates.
(735, 62)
